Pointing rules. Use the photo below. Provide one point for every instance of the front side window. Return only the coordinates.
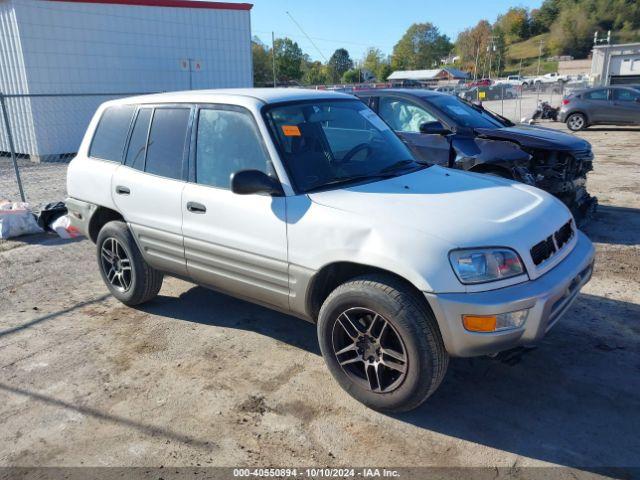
(331, 142)
(463, 114)
(167, 142)
(111, 134)
(402, 115)
(228, 142)
(597, 95)
(626, 95)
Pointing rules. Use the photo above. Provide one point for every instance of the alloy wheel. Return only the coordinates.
(116, 264)
(369, 350)
(576, 122)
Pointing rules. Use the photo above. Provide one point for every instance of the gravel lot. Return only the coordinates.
(199, 378)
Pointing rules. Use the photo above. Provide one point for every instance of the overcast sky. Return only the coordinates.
(357, 25)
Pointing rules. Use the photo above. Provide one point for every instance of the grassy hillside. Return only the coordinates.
(528, 51)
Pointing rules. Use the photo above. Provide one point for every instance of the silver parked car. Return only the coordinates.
(613, 105)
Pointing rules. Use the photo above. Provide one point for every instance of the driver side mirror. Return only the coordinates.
(248, 182)
(434, 128)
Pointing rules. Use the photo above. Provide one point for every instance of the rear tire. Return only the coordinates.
(382, 343)
(125, 273)
(576, 122)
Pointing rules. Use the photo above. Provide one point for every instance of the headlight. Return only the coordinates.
(480, 265)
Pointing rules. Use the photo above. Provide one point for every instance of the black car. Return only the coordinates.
(450, 131)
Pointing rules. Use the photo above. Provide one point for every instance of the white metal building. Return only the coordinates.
(616, 64)
(110, 46)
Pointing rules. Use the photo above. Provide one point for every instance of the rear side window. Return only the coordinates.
(111, 134)
(138, 144)
(596, 95)
(167, 141)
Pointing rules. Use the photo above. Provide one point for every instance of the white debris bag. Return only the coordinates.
(16, 219)
(62, 226)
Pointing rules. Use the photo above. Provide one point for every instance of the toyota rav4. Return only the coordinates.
(307, 202)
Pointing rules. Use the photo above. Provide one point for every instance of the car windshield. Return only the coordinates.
(464, 114)
(330, 143)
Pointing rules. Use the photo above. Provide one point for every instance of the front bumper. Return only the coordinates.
(547, 298)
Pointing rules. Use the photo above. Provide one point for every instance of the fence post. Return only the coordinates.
(5, 116)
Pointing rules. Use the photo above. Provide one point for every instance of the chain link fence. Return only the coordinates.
(39, 135)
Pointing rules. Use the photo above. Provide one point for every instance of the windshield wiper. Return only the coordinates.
(345, 180)
(399, 165)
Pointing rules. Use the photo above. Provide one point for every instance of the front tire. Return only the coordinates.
(382, 343)
(125, 273)
(576, 122)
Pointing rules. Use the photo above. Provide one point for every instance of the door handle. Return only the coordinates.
(196, 207)
(120, 190)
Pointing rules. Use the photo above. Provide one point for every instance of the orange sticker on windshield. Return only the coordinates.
(291, 131)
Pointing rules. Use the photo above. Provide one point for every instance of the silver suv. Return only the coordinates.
(308, 203)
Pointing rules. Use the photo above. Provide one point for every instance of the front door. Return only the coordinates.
(235, 243)
(147, 189)
(627, 104)
(405, 118)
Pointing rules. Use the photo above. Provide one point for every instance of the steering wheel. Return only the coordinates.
(354, 151)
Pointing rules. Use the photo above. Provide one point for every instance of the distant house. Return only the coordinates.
(427, 76)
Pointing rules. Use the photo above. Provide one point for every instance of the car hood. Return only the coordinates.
(536, 137)
(462, 208)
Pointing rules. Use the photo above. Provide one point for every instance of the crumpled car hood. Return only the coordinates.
(536, 137)
(463, 208)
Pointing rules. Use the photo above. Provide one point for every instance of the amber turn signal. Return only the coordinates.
(480, 323)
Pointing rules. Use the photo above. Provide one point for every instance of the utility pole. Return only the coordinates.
(273, 58)
(490, 48)
(538, 74)
(475, 67)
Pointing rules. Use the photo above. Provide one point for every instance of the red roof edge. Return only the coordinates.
(169, 3)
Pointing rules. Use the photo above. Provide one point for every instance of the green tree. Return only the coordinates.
(421, 47)
(375, 62)
(315, 73)
(572, 32)
(472, 45)
(289, 60)
(514, 24)
(351, 76)
(339, 63)
(262, 68)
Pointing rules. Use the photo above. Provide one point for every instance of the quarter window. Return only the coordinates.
(228, 142)
(111, 134)
(403, 116)
(167, 142)
(138, 143)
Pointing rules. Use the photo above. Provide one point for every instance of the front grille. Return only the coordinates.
(546, 248)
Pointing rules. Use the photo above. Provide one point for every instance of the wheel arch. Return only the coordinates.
(330, 276)
(581, 112)
(99, 219)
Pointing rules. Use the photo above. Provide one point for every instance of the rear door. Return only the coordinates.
(627, 104)
(405, 117)
(235, 243)
(147, 189)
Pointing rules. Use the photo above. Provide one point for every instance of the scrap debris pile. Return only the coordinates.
(17, 218)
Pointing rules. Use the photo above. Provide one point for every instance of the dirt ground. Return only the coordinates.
(196, 378)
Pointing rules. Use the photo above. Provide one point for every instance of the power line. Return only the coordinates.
(308, 37)
(327, 40)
